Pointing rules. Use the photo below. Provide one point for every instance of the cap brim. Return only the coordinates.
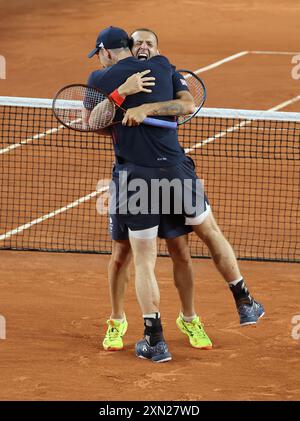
(93, 52)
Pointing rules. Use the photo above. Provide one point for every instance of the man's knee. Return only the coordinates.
(179, 250)
(208, 229)
(144, 244)
(121, 255)
(145, 253)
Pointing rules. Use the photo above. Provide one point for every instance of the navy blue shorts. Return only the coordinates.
(171, 226)
(138, 200)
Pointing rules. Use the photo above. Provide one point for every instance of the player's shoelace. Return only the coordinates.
(113, 332)
(196, 328)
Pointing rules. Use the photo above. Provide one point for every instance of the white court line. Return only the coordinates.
(30, 139)
(53, 213)
(220, 62)
(238, 126)
(285, 103)
(284, 53)
(217, 136)
(37, 136)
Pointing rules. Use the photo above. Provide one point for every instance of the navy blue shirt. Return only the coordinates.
(143, 145)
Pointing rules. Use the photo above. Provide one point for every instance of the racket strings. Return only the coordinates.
(83, 108)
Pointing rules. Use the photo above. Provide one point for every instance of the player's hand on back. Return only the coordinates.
(138, 82)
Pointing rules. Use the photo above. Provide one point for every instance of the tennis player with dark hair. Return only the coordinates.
(143, 230)
(145, 45)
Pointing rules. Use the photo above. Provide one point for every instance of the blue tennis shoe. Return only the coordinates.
(250, 313)
(158, 353)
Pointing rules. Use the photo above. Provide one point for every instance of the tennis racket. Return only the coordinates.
(197, 90)
(87, 109)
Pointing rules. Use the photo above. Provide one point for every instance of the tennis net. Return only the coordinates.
(249, 161)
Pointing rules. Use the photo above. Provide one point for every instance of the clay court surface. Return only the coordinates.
(56, 305)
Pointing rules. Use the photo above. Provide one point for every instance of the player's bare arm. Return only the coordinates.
(184, 104)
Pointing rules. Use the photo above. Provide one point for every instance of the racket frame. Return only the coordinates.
(197, 108)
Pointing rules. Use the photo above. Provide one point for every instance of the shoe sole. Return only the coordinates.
(155, 361)
(252, 323)
(203, 348)
(113, 349)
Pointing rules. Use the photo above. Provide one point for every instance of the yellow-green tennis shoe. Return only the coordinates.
(113, 340)
(195, 332)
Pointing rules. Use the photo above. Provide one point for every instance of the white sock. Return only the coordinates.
(234, 283)
(151, 316)
(188, 319)
(118, 320)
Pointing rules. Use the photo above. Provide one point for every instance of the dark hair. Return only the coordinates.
(145, 30)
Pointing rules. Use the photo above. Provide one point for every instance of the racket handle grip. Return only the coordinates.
(160, 123)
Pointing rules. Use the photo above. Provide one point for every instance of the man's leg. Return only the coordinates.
(183, 272)
(220, 249)
(144, 256)
(188, 321)
(224, 258)
(118, 275)
(144, 250)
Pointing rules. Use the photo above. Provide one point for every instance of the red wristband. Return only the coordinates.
(116, 97)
